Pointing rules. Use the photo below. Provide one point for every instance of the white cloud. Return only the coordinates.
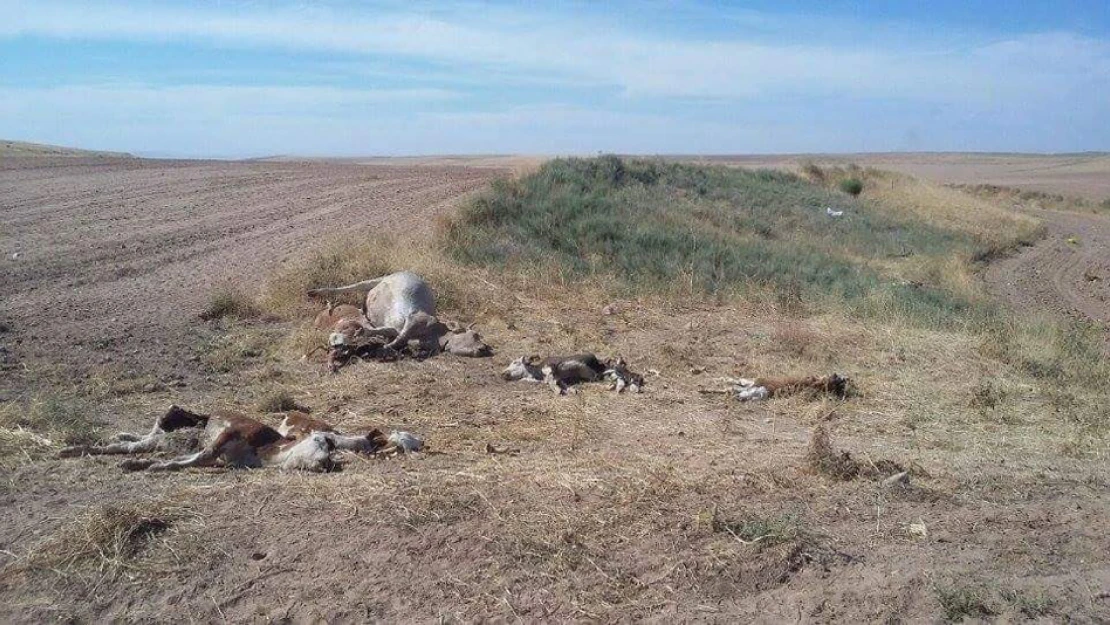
(582, 51)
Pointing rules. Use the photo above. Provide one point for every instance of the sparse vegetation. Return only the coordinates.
(105, 539)
(236, 351)
(762, 532)
(812, 171)
(1029, 199)
(279, 401)
(1030, 604)
(960, 601)
(63, 418)
(229, 303)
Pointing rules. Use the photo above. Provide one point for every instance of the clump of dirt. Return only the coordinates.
(823, 458)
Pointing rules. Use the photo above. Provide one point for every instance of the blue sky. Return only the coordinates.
(249, 78)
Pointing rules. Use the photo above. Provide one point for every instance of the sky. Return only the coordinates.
(246, 78)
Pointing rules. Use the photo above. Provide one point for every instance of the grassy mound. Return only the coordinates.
(659, 226)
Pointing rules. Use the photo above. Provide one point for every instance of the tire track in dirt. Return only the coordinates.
(1066, 273)
(118, 256)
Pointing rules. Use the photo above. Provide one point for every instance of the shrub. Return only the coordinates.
(229, 303)
(851, 186)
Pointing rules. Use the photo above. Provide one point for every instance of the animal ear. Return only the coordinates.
(472, 324)
(533, 360)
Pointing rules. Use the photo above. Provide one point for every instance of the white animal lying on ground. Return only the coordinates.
(401, 307)
(831, 213)
(560, 372)
(764, 388)
(238, 441)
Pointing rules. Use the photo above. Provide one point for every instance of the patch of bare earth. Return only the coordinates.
(1066, 273)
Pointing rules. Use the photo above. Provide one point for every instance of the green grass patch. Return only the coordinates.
(959, 602)
(851, 186)
(659, 226)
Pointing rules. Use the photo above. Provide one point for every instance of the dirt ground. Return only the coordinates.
(1066, 273)
(109, 261)
(604, 508)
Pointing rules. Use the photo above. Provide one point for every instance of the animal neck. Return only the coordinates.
(534, 371)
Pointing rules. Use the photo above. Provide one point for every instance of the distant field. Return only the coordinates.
(1083, 175)
(22, 148)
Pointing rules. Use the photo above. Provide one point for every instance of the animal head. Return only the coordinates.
(344, 332)
(376, 439)
(521, 368)
(464, 342)
(312, 453)
(405, 442)
(836, 384)
(616, 370)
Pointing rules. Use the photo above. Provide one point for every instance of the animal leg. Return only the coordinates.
(556, 384)
(753, 393)
(360, 444)
(202, 458)
(122, 443)
(411, 323)
(143, 445)
(365, 285)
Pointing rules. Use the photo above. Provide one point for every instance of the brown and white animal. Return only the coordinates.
(766, 388)
(401, 307)
(238, 441)
(560, 372)
(328, 318)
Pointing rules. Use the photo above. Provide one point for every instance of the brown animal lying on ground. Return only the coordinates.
(560, 372)
(238, 441)
(765, 388)
(328, 318)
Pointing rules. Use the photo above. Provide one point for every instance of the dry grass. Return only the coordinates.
(105, 541)
(229, 303)
(48, 419)
(279, 400)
